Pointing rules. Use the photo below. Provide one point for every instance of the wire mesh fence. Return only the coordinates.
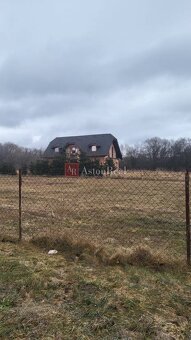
(128, 210)
(9, 206)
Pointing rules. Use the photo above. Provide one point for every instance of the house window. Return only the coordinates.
(94, 148)
(74, 150)
(56, 149)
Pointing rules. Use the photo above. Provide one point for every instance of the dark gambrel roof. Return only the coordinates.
(103, 141)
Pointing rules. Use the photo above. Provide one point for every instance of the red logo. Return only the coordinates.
(72, 169)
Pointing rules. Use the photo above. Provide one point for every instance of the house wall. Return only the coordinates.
(116, 162)
(112, 152)
(100, 159)
(113, 155)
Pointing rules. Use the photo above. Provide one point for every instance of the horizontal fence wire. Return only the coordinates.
(119, 211)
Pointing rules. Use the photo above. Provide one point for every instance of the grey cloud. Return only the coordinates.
(79, 70)
(53, 71)
(170, 58)
(124, 69)
(10, 118)
(18, 112)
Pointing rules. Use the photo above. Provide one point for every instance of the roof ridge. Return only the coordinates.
(96, 134)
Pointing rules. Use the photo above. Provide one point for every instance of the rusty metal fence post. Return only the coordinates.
(20, 204)
(187, 194)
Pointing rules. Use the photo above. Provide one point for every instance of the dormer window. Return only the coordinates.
(94, 148)
(56, 150)
(74, 150)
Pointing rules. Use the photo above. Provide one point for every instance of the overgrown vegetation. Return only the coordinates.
(67, 243)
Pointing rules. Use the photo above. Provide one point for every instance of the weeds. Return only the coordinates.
(77, 248)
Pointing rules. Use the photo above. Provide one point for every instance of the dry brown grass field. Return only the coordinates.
(137, 208)
(109, 279)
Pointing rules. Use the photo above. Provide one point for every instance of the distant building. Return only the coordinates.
(96, 147)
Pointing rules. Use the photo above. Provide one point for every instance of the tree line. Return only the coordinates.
(157, 153)
(154, 153)
(14, 157)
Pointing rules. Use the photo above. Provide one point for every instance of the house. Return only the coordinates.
(96, 147)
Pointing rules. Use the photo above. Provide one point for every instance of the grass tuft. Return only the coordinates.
(66, 243)
(143, 256)
(8, 238)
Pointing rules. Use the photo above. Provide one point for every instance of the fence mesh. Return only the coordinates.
(125, 210)
(9, 206)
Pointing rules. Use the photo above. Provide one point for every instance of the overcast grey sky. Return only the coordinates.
(82, 67)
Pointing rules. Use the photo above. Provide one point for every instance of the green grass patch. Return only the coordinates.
(53, 297)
